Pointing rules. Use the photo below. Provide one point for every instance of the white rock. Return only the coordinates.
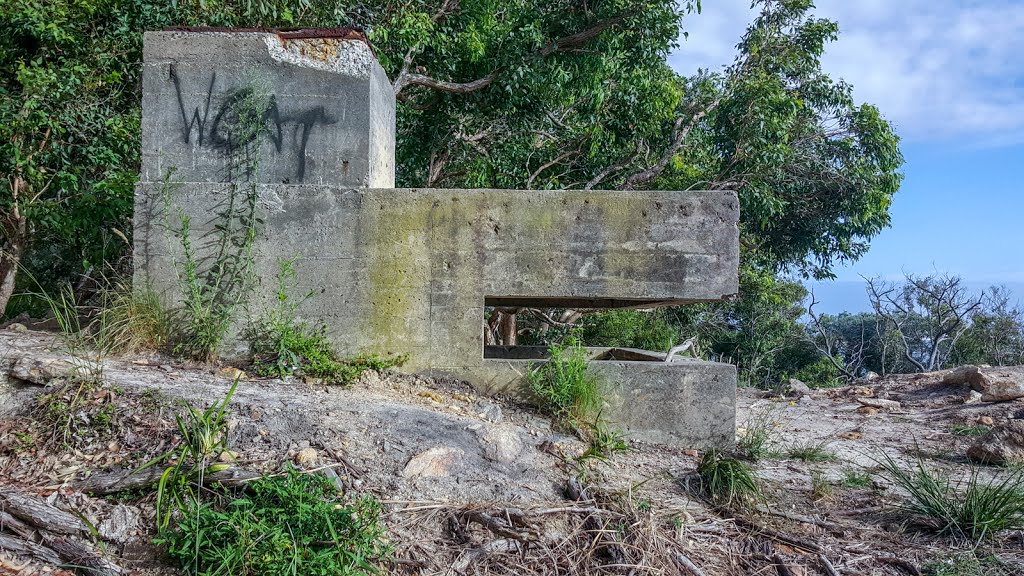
(500, 444)
(434, 463)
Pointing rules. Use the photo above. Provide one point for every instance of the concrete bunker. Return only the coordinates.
(411, 270)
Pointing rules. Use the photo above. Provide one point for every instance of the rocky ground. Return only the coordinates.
(477, 485)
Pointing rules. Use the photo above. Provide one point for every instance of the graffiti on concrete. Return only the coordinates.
(232, 126)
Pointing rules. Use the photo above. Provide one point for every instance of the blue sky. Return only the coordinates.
(949, 75)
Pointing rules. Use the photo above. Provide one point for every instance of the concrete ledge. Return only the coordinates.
(685, 403)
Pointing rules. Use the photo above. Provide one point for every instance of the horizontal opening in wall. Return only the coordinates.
(578, 302)
(594, 354)
(519, 328)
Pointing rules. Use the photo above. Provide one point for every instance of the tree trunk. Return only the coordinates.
(15, 228)
(507, 328)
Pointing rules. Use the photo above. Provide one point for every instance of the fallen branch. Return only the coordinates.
(493, 524)
(480, 552)
(22, 547)
(83, 557)
(36, 512)
(686, 565)
(113, 482)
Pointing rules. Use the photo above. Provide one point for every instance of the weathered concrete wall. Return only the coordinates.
(400, 270)
(329, 109)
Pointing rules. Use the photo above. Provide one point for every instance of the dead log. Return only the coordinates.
(105, 483)
(84, 558)
(112, 482)
(38, 513)
(14, 526)
(28, 549)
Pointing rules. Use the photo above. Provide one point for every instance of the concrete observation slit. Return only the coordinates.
(411, 270)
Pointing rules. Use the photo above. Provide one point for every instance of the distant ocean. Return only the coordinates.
(850, 295)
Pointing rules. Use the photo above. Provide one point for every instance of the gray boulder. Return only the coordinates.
(1003, 445)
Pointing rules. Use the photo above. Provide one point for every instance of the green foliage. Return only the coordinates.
(563, 386)
(282, 345)
(294, 524)
(996, 333)
(969, 431)
(811, 452)
(216, 283)
(134, 319)
(727, 481)
(971, 508)
(629, 329)
(605, 442)
(203, 437)
(820, 374)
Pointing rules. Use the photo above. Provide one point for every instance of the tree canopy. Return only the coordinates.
(491, 93)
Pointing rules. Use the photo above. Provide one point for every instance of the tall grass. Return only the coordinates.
(970, 508)
(563, 385)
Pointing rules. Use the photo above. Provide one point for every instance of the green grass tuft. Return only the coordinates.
(761, 436)
(564, 387)
(971, 509)
(811, 452)
(727, 481)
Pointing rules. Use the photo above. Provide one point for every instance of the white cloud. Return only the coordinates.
(940, 70)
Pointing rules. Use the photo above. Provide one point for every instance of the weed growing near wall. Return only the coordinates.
(727, 481)
(563, 386)
(283, 345)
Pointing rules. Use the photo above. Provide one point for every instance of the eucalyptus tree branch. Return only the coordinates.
(546, 165)
(566, 43)
(828, 350)
(573, 41)
(679, 133)
(406, 79)
(609, 170)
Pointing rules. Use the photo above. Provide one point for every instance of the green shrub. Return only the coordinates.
(970, 509)
(727, 481)
(282, 345)
(629, 329)
(294, 524)
(564, 387)
(605, 442)
(820, 374)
